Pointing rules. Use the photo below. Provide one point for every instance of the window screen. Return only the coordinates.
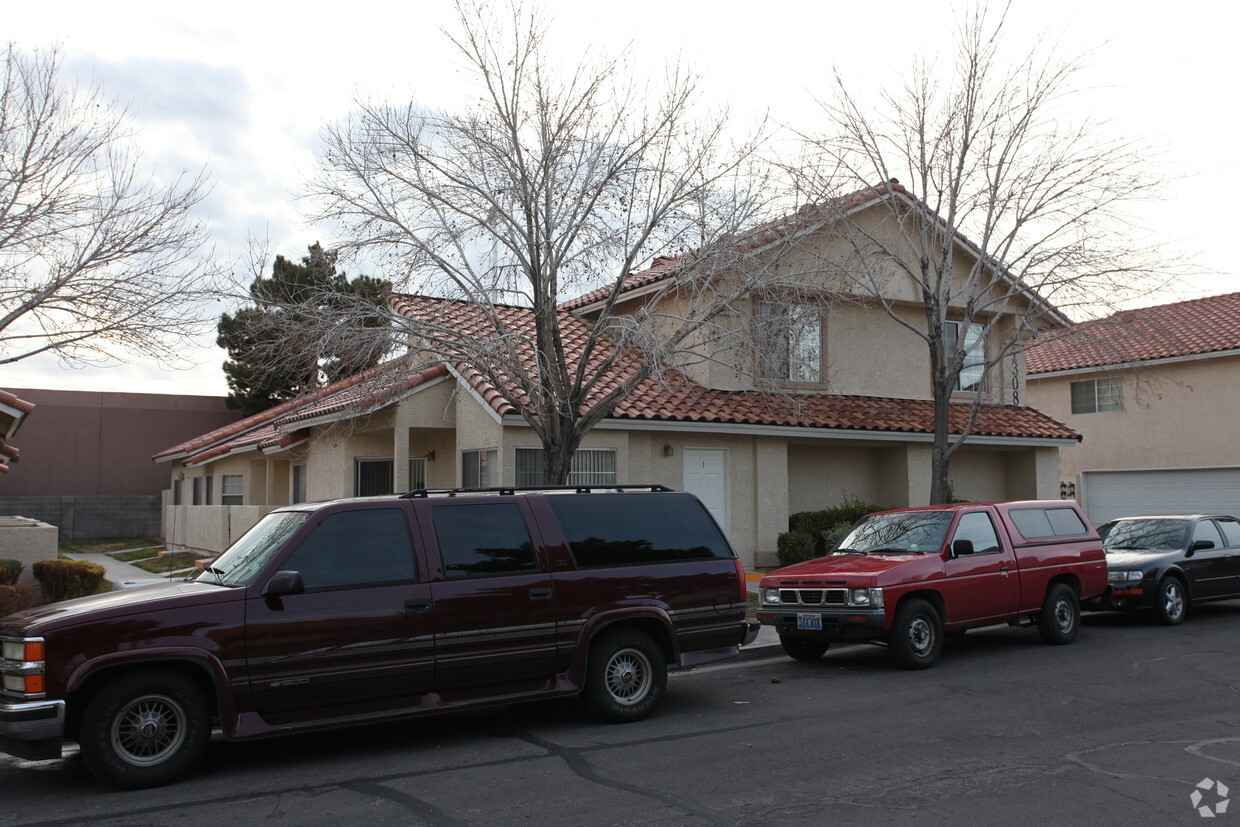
(483, 540)
(629, 529)
(356, 548)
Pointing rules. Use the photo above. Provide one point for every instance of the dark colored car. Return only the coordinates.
(1166, 563)
(368, 610)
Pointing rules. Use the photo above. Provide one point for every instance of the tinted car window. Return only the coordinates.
(1205, 530)
(977, 529)
(1046, 523)
(356, 548)
(483, 540)
(628, 529)
(1231, 532)
(1144, 535)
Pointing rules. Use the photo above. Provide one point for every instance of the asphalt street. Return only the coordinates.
(1132, 724)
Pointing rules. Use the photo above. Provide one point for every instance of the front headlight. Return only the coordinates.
(865, 597)
(770, 596)
(1121, 577)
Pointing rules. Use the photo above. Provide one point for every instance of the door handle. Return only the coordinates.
(417, 605)
(540, 594)
(1003, 569)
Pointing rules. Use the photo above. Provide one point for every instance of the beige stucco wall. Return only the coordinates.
(1176, 415)
(27, 541)
(209, 528)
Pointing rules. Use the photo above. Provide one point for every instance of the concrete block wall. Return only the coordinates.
(27, 541)
(91, 517)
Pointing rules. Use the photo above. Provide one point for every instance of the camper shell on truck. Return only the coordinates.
(364, 610)
(907, 577)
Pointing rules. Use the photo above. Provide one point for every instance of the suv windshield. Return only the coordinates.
(1144, 535)
(910, 531)
(238, 565)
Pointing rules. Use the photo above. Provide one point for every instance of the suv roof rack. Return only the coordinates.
(422, 493)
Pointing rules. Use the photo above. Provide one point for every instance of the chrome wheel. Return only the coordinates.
(1172, 603)
(148, 730)
(628, 676)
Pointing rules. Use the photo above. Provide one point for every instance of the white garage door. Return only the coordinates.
(1110, 494)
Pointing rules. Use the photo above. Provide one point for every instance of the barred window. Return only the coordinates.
(590, 466)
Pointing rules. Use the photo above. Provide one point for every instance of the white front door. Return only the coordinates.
(706, 477)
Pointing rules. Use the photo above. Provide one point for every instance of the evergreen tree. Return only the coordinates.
(263, 370)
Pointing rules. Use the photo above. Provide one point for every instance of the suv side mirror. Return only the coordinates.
(284, 582)
(1201, 545)
(962, 547)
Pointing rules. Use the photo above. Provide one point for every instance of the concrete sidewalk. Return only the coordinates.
(123, 575)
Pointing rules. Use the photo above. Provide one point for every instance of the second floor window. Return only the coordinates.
(974, 347)
(1098, 395)
(790, 342)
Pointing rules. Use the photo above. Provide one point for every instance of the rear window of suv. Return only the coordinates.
(631, 529)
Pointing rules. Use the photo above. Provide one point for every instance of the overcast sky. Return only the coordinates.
(243, 88)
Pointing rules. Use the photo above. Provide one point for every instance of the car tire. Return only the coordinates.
(916, 639)
(626, 676)
(802, 648)
(144, 729)
(1060, 618)
(1171, 601)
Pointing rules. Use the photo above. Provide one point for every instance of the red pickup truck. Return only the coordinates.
(906, 577)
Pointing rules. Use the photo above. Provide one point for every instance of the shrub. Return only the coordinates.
(817, 523)
(793, 547)
(834, 534)
(67, 579)
(15, 599)
(10, 570)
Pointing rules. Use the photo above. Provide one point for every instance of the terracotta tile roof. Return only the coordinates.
(676, 398)
(1187, 328)
(270, 428)
(13, 413)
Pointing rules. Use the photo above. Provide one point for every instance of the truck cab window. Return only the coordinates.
(977, 528)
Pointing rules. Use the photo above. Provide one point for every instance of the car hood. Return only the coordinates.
(99, 607)
(858, 570)
(1141, 559)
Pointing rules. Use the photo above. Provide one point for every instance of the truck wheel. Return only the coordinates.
(917, 636)
(144, 729)
(1171, 604)
(626, 676)
(802, 648)
(1061, 615)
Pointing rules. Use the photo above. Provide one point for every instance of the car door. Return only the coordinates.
(493, 597)
(982, 584)
(1230, 529)
(1208, 568)
(359, 638)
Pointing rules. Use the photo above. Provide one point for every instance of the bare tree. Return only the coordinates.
(552, 184)
(1010, 215)
(96, 260)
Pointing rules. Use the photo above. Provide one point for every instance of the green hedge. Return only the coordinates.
(824, 526)
(15, 599)
(793, 547)
(10, 570)
(67, 579)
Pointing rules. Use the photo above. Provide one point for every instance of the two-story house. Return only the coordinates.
(836, 404)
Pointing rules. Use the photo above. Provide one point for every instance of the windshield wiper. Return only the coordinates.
(219, 574)
(848, 551)
(895, 551)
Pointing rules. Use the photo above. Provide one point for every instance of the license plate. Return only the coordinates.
(810, 622)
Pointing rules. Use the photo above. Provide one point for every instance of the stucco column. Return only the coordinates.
(770, 499)
(918, 471)
(400, 449)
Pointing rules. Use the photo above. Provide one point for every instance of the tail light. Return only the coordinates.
(740, 579)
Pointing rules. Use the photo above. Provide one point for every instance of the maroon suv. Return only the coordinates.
(365, 610)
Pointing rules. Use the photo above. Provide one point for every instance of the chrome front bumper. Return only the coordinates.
(32, 729)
